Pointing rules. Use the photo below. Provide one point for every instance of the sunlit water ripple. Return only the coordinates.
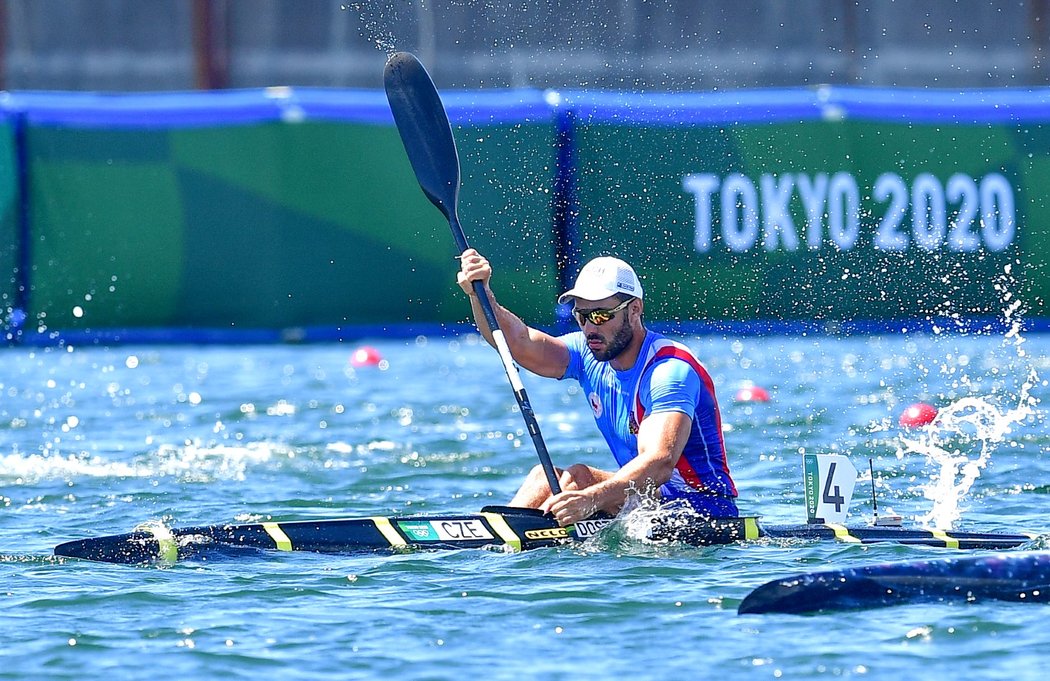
(97, 441)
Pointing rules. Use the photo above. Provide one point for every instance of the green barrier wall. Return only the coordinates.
(276, 225)
(287, 210)
(837, 220)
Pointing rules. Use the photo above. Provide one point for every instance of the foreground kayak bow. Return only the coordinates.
(1022, 576)
(517, 529)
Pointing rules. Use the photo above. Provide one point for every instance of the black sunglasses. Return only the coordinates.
(598, 316)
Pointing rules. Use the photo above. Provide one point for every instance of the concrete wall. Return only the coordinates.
(623, 45)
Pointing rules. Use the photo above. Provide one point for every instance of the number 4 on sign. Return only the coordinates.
(829, 480)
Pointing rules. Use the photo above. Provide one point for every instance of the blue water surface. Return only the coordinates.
(98, 440)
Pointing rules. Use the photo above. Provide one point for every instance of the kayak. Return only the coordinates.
(504, 527)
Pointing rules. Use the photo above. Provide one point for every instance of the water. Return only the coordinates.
(96, 441)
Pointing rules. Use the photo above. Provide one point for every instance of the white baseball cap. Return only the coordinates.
(604, 277)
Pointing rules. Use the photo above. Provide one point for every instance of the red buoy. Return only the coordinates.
(365, 356)
(752, 393)
(918, 415)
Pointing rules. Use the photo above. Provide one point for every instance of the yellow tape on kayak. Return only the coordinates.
(950, 542)
(278, 536)
(499, 524)
(751, 528)
(167, 545)
(388, 531)
(842, 533)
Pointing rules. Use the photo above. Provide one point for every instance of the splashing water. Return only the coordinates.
(962, 437)
(641, 510)
(378, 21)
(960, 441)
(631, 530)
(638, 513)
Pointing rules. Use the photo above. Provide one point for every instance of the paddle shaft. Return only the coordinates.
(427, 135)
(507, 358)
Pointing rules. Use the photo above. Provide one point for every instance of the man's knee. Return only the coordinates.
(537, 477)
(577, 476)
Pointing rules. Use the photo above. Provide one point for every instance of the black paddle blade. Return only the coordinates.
(427, 135)
(425, 130)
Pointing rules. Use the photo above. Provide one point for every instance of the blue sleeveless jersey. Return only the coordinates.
(666, 377)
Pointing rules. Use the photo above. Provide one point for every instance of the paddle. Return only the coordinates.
(427, 135)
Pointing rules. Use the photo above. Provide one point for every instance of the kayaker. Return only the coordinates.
(651, 397)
